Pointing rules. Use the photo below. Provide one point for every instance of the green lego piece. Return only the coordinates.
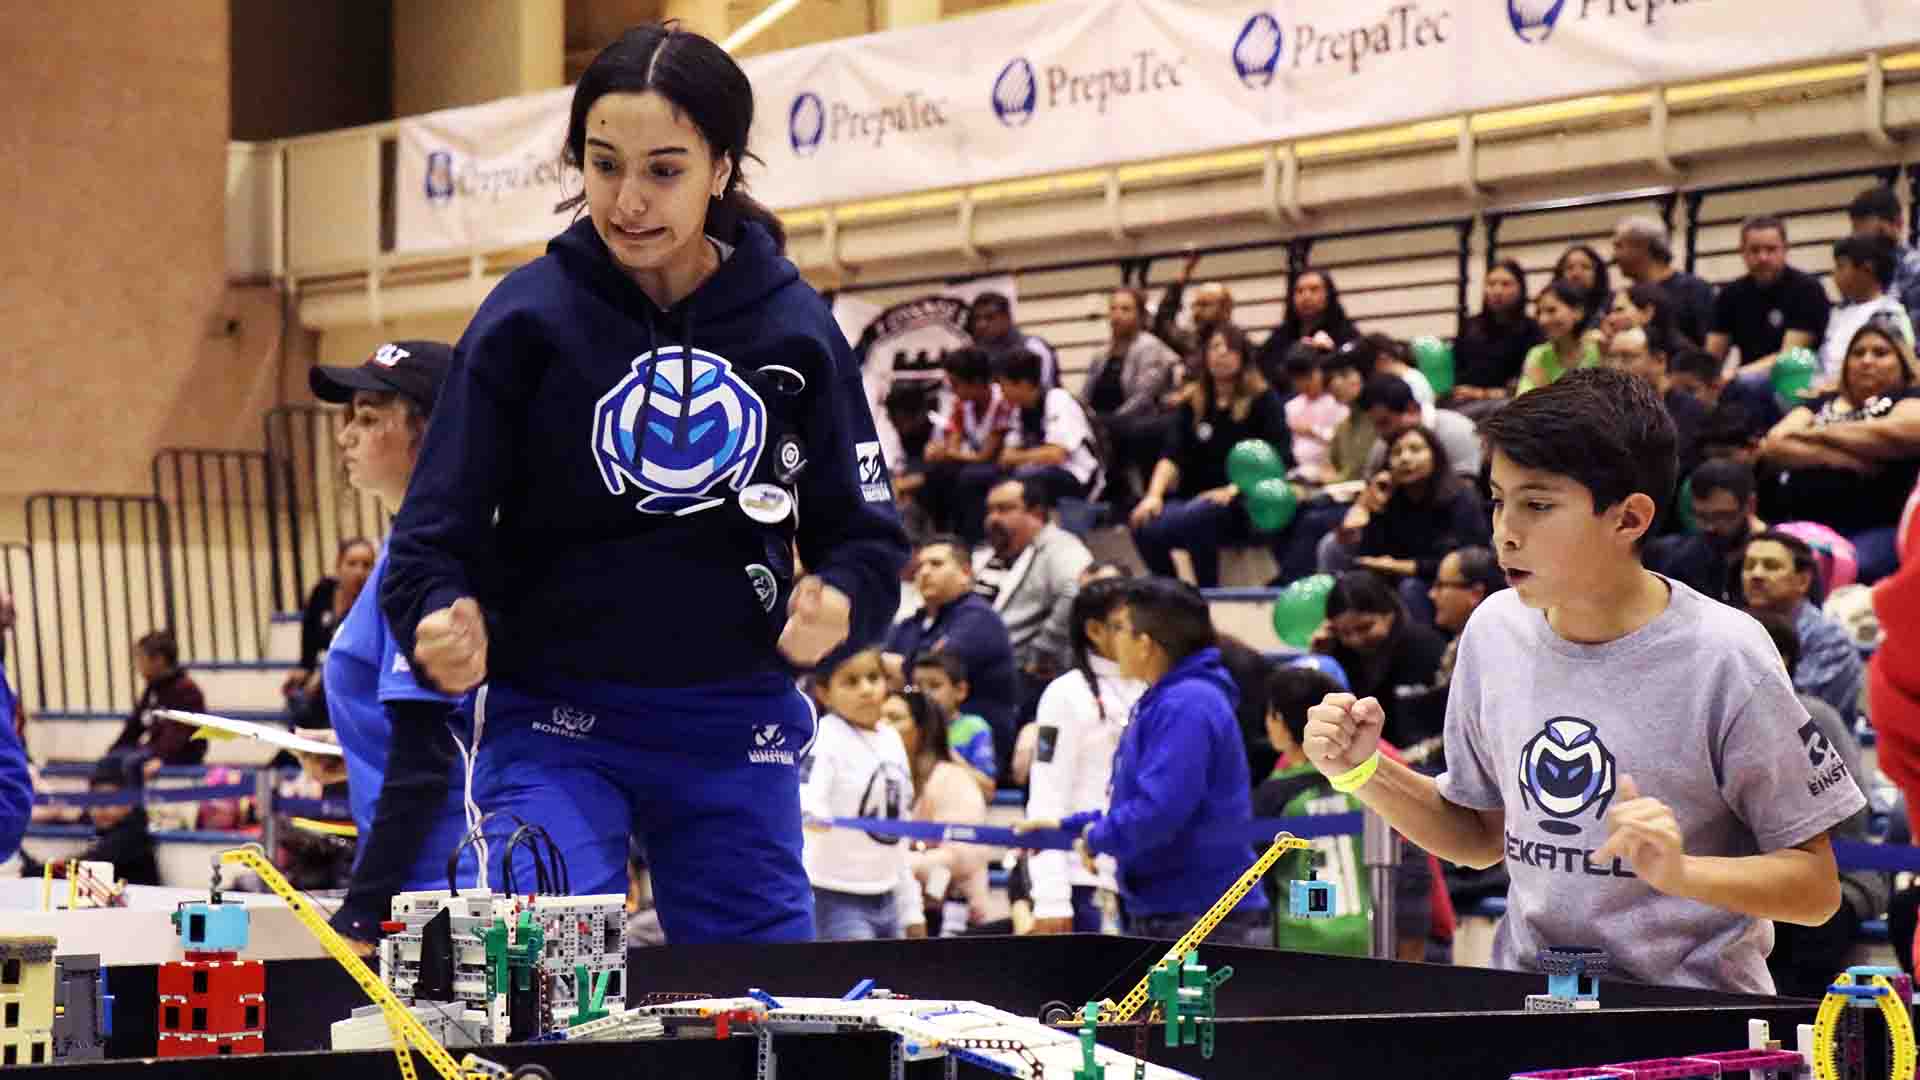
(1187, 996)
(1090, 1067)
(592, 995)
(495, 937)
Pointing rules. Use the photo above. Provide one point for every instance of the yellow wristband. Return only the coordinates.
(1355, 778)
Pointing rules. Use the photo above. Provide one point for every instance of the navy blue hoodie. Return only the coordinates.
(1180, 782)
(623, 476)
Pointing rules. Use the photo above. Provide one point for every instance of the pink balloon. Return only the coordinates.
(1838, 563)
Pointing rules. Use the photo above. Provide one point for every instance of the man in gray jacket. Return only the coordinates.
(1030, 576)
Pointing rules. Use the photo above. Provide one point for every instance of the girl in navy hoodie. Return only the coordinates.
(637, 429)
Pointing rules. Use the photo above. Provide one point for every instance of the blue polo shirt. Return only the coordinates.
(366, 670)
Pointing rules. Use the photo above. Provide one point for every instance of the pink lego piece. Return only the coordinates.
(1675, 1068)
(1597, 1072)
(1735, 1060)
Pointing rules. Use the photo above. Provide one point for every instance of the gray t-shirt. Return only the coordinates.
(1697, 708)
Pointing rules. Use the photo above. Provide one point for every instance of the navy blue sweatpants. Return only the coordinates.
(707, 778)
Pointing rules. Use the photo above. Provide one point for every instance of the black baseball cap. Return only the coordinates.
(412, 369)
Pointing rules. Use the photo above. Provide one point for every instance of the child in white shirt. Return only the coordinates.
(862, 887)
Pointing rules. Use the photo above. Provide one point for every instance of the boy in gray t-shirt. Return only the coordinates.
(1633, 750)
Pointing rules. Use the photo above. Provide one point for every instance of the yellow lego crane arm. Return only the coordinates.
(1111, 1013)
(406, 1029)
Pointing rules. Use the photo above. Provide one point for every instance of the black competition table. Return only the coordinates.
(1283, 1014)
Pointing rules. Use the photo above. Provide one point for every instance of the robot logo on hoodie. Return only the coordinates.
(679, 426)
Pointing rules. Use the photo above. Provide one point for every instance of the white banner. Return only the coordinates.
(1083, 83)
(485, 176)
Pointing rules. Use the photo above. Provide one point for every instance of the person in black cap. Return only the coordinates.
(398, 750)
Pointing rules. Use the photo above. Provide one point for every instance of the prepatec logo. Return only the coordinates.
(1533, 20)
(1256, 52)
(1015, 93)
(806, 123)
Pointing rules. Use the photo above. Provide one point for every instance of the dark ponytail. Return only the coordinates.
(1096, 600)
(701, 81)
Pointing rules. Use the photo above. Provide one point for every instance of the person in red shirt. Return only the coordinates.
(162, 742)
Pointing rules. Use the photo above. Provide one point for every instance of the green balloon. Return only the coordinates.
(1683, 506)
(1271, 504)
(1251, 461)
(1434, 358)
(1793, 372)
(1300, 609)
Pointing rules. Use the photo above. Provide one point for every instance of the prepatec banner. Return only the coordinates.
(1082, 83)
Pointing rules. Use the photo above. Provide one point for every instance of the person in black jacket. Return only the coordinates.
(1411, 515)
(1385, 654)
(1314, 311)
(1491, 348)
(1228, 402)
(332, 597)
(123, 838)
(638, 429)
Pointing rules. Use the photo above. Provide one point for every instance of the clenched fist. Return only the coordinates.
(1342, 733)
(450, 645)
(818, 618)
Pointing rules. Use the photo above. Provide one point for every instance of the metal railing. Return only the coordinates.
(311, 507)
(216, 502)
(81, 615)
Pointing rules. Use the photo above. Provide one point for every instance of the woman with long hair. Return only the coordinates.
(1415, 512)
(1584, 266)
(1228, 402)
(639, 428)
(1492, 346)
(1848, 459)
(1561, 310)
(943, 790)
(1380, 648)
(1314, 313)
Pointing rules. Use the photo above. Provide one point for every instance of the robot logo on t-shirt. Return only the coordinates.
(1565, 772)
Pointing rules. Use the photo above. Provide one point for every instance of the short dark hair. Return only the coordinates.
(1877, 202)
(962, 551)
(955, 668)
(160, 643)
(1698, 363)
(1356, 355)
(1728, 426)
(1479, 566)
(908, 398)
(1388, 345)
(1785, 635)
(1722, 475)
(1804, 561)
(1292, 690)
(1362, 592)
(1304, 359)
(1173, 614)
(1604, 429)
(1035, 494)
(1101, 566)
(1873, 251)
(1763, 223)
(1389, 392)
(985, 302)
(1019, 365)
(968, 364)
